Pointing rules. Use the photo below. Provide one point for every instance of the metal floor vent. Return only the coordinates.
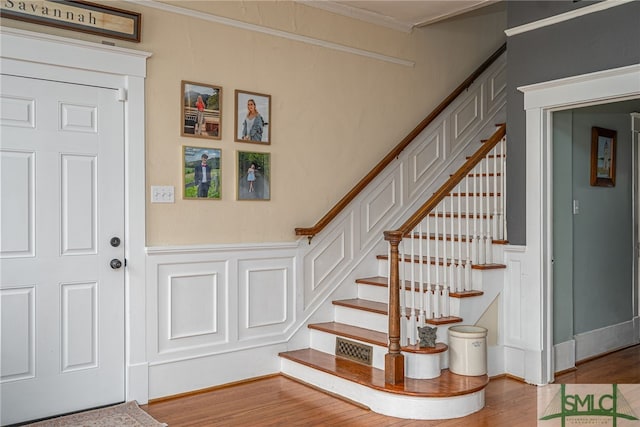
(354, 351)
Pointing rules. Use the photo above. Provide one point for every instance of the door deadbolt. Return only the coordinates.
(115, 242)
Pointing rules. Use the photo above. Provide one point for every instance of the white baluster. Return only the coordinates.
(452, 284)
(475, 256)
(436, 309)
(482, 247)
(489, 240)
(469, 239)
(412, 308)
(421, 317)
(429, 313)
(403, 305)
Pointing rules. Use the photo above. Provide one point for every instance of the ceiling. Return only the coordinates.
(401, 15)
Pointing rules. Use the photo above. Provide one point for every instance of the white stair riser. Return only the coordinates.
(423, 366)
(361, 318)
(326, 342)
(458, 249)
(480, 226)
(461, 276)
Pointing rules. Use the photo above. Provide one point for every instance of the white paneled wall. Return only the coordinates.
(207, 304)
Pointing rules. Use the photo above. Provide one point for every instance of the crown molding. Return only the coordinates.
(586, 10)
(359, 14)
(270, 31)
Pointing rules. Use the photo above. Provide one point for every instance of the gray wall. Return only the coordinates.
(599, 41)
(593, 250)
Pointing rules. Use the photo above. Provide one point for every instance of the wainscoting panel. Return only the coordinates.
(424, 160)
(378, 206)
(465, 119)
(209, 300)
(191, 305)
(327, 257)
(495, 90)
(513, 299)
(266, 297)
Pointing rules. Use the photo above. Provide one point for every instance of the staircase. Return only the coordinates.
(441, 269)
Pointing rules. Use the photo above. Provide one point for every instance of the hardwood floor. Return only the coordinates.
(281, 401)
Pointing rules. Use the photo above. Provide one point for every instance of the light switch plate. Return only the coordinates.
(162, 194)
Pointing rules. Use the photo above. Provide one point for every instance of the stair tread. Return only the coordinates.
(446, 385)
(364, 304)
(372, 337)
(382, 281)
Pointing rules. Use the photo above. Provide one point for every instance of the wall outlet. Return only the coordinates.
(162, 194)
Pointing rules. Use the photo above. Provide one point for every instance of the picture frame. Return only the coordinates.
(193, 185)
(259, 129)
(77, 15)
(200, 119)
(603, 157)
(253, 176)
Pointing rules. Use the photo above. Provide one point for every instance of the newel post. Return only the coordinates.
(394, 359)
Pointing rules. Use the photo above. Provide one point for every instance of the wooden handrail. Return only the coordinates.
(348, 198)
(451, 183)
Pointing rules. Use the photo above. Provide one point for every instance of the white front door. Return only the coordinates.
(62, 206)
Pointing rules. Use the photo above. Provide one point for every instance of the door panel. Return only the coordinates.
(62, 182)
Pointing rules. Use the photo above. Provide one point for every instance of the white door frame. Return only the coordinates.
(57, 58)
(540, 101)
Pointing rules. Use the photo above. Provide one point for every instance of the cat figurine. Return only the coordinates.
(427, 336)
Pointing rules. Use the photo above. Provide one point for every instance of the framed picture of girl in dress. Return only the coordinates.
(253, 117)
(254, 176)
(201, 113)
(201, 173)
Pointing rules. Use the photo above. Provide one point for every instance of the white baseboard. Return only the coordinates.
(603, 340)
(138, 383)
(564, 355)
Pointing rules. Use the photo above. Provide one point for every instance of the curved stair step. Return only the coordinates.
(448, 396)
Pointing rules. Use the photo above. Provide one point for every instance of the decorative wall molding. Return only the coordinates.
(259, 297)
(586, 10)
(270, 31)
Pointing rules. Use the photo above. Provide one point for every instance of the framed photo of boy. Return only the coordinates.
(201, 112)
(603, 157)
(254, 176)
(253, 117)
(201, 173)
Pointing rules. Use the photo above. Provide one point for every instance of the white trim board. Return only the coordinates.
(586, 10)
(540, 101)
(605, 340)
(58, 58)
(270, 31)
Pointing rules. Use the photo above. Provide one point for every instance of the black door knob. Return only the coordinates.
(115, 242)
(115, 264)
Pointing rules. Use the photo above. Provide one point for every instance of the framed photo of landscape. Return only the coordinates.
(603, 157)
(253, 117)
(254, 176)
(201, 110)
(201, 173)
